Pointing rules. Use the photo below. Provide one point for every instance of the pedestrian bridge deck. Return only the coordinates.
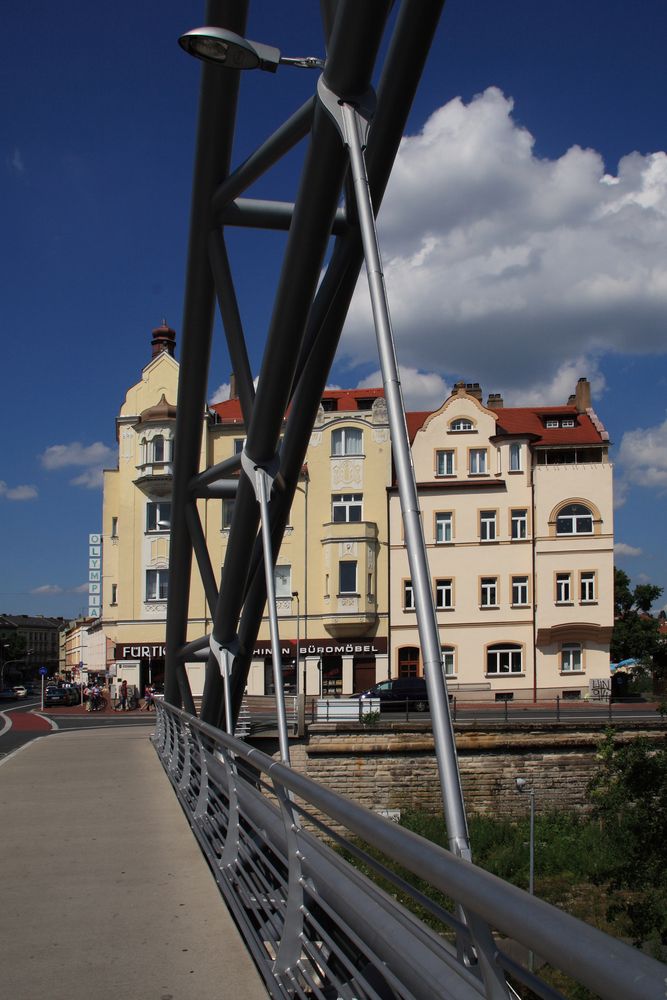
(105, 891)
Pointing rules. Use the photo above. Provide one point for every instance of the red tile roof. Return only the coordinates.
(531, 420)
(229, 410)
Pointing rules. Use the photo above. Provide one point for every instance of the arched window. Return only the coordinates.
(408, 662)
(504, 658)
(448, 660)
(575, 519)
(347, 441)
(461, 424)
(158, 448)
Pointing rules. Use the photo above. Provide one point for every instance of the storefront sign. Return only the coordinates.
(325, 647)
(307, 647)
(140, 651)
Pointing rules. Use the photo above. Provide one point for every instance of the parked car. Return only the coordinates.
(395, 694)
(56, 696)
(8, 694)
(21, 692)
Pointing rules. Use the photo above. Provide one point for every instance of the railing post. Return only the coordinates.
(289, 949)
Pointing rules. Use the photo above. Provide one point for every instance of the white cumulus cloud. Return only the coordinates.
(623, 549)
(512, 270)
(47, 588)
(421, 390)
(92, 458)
(642, 456)
(24, 492)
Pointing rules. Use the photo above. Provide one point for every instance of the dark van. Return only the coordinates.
(394, 694)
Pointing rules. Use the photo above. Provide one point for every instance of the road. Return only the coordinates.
(21, 722)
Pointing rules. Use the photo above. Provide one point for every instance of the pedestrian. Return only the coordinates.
(123, 696)
(148, 697)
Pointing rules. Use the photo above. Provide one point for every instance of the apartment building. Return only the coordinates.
(518, 520)
(332, 570)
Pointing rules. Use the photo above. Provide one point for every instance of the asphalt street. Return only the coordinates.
(21, 722)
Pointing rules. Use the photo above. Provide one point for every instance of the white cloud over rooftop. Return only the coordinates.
(517, 271)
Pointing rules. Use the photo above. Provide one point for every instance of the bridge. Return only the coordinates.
(279, 846)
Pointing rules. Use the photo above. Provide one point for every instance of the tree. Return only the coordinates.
(629, 798)
(636, 633)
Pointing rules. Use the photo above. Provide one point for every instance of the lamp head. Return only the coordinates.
(520, 784)
(225, 48)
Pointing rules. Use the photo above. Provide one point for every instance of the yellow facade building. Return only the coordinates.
(332, 570)
(517, 513)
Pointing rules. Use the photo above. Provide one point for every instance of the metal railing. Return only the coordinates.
(318, 927)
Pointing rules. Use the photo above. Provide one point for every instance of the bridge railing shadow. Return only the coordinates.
(319, 926)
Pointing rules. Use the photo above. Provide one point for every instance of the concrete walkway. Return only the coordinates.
(104, 894)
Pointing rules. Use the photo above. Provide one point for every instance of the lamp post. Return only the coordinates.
(523, 786)
(295, 595)
(6, 663)
(5, 645)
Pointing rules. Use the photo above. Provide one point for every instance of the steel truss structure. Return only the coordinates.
(352, 136)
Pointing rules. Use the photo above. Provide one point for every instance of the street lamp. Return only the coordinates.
(523, 786)
(6, 663)
(295, 595)
(225, 48)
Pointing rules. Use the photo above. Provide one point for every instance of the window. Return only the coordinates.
(238, 445)
(408, 596)
(449, 661)
(114, 527)
(408, 662)
(347, 577)
(159, 449)
(519, 524)
(587, 588)
(563, 591)
(283, 581)
(227, 513)
(444, 463)
(443, 594)
(515, 457)
(462, 424)
(568, 422)
(346, 507)
(504, 658)
(487, 525)
(158, 515)
(519, 590)
(443, 527)
(157, 584)
(488, 597)
(477, 461)
(570, 658)
(114, 593)
(574, 519)
(551, 424)
(346, 441)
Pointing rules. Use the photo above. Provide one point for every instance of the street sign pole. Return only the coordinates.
(42, 674)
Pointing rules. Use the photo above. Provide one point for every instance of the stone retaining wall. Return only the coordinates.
(393, 767)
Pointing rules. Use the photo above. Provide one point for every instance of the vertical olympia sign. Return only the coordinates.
(94, 575)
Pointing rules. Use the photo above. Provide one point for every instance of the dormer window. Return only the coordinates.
(550, 424)
(567, 422)
(461, 424)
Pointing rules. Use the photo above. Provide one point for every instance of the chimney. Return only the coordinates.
(495, 401)
(164, 339)
(473, 389)
(233, 394)
(582, 395)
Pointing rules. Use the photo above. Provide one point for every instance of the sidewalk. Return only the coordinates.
(105, 892)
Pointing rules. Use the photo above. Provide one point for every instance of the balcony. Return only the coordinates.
(155, 478)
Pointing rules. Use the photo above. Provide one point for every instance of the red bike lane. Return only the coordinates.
(28, 722)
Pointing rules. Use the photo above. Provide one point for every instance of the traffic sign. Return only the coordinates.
(43, 671)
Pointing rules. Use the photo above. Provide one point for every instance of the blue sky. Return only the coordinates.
(539, 255)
